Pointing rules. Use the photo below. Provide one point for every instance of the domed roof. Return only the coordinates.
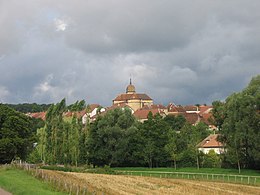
(130, 88)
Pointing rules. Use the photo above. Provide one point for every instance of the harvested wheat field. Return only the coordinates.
(122, 184)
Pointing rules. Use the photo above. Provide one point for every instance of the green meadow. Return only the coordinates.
(19, 182)
(248, 172)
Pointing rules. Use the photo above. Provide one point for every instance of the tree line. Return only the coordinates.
(34, 107)
(29, 107)
(118, 139)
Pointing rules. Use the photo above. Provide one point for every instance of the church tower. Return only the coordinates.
(130, 89)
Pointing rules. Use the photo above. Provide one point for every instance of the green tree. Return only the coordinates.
(54, 133)
(41, 146)
(175, 122)
(155, 134)
(73, 141)
(239, 122)
(188, 139)
(172, 147)
(109, 136)
(83, 153)
(219, 113)
(16, 135)
(210, 160)
(77, 106)
(26, 107)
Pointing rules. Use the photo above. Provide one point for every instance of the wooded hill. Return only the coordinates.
(27, 107)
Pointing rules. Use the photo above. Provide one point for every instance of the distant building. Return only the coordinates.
(211, 143)
(121, 106)
(38, 115)
(142, 113)
(92, 111)
(133, 99)
(173, 109)
(207, 117)
(192, 117)
(191, 109)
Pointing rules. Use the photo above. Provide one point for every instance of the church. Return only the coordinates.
(133, 99)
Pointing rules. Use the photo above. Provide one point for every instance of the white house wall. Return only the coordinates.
(216, 150)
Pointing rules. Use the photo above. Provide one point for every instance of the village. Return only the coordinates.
(140, 105)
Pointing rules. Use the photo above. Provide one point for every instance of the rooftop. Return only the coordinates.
(210, 142)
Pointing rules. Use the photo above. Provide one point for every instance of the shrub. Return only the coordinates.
(211, 160)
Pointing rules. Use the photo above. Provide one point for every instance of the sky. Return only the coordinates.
(185, 52)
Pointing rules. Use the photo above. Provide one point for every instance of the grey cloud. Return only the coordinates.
(176, 51)
(132, 26)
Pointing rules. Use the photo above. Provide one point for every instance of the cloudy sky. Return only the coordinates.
(185, 52)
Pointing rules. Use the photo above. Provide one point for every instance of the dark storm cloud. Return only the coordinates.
(132, 26)
(185, 52)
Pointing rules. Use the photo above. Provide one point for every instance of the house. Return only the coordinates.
(122, 106)
(207, 117)
(211, 143)
(85, 114)
(192, 118)
(39, 115)
(156, 106)
(173, 109)
(92, 111)
(191, 109)
(205, 109)
(103, 111)
(142, 113)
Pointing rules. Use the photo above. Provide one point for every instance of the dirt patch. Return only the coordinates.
(3, 192)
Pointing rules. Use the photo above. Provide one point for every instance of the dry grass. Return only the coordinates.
(121, 184)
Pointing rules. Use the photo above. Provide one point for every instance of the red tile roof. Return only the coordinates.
(210, 142)
(68, 114)
(81, 113)
(191, 108)
(125, 97)
(173, 108)
(93, 106)
(207, 118)
(41, 115)
(204, 109)
(120, 105)
(78, 114)
(206, 114)
(192, 118)
(143, 113)
(154, 106)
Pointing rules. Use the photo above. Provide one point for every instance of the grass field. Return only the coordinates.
(194, 170)
(18, 182)
(250, 177)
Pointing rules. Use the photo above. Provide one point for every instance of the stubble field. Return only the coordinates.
(122, 184)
